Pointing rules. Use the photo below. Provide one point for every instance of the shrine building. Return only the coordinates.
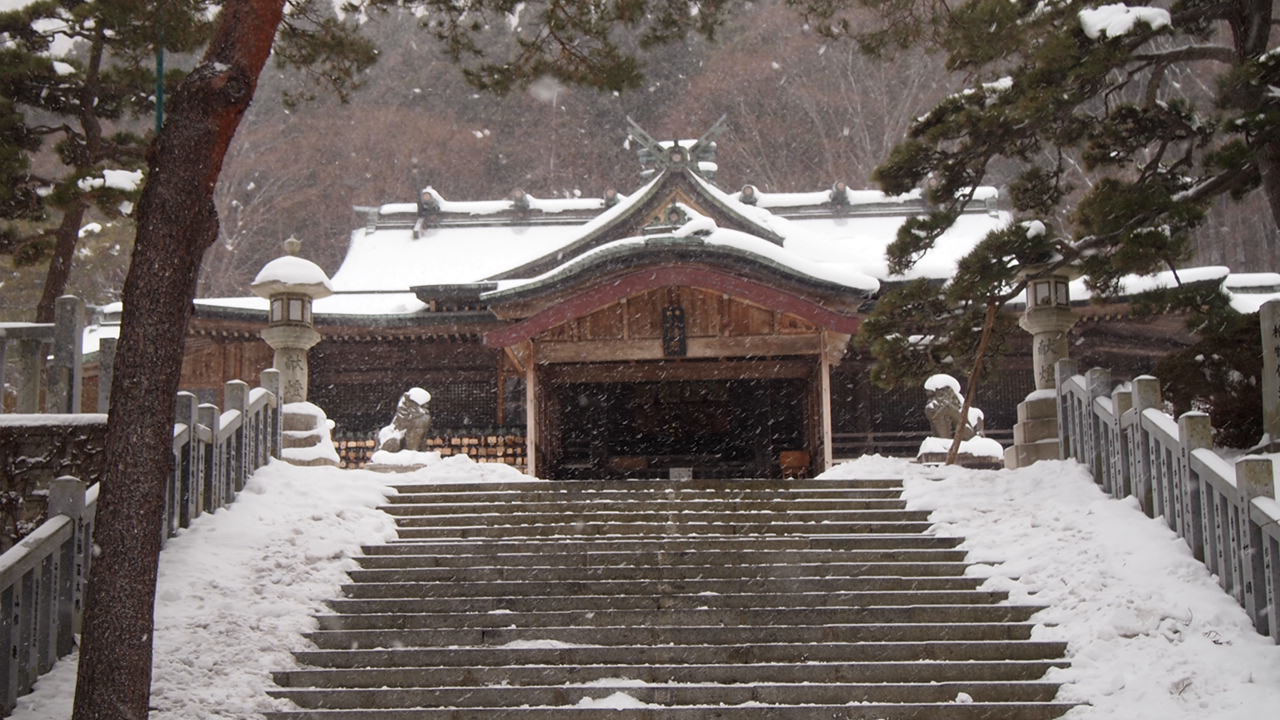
(677, 325)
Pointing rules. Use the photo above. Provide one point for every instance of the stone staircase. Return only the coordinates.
(741, 599)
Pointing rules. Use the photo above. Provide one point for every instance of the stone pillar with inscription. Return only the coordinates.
(1048, 317)
(1269, 315)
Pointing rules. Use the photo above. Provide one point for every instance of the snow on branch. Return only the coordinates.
(1115, 20)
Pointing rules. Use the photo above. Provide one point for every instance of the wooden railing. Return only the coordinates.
(1226, 512)
(42, 578)
(897, 444)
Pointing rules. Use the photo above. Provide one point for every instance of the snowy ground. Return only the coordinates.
(1150, 633)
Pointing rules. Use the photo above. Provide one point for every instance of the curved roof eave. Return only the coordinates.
(663, 250)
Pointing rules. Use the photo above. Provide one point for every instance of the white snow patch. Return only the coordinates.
(124, 180)
(1119, 19)
(292, 270)
(616, 701)
(941, 380)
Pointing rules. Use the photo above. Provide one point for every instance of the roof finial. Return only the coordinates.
(292, 245)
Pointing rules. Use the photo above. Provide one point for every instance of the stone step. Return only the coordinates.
(592, 601)
(717, 486)
(587, 573)
(297, 422)
(869, 711)
(908, 672)
(580, 495)
(621, 635)
(665, 543)
(636, 558)
(672, 694)
(300, 439)
(684, 517)
(650, 586)
(987, 650)
(741, 600)
(589, 504)
(593, 528)
(732, 617)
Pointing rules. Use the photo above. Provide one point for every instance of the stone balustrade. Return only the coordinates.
(42, 578)
(1225, 511)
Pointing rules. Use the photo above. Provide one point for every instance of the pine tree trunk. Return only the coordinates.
(176, 222)
(64, 250)
(975, 379)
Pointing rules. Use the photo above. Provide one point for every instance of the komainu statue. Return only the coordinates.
(943, 409)
(408, 429)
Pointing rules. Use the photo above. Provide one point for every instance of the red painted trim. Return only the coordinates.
(640, 281)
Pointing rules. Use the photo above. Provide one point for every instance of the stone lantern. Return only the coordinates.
(1048, 317)
(291, 284)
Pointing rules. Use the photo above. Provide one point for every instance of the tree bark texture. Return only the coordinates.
(176, 222)
(975, 378)
(66, 237)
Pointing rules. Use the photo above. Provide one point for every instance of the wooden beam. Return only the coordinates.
(676, 371)
(745, 346)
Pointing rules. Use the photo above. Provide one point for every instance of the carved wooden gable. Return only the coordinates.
(677, 322)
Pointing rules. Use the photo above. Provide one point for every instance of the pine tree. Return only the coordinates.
(79, 82)
(1083, 106)
(1069, 84)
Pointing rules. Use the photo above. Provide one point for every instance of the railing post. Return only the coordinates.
(1194, 432)
(4, 352)
(31, 360)
(189, 465)
(1063, 371)
(214, 495)
(68, 339)
(271, 383)
(106, 372)
(1146, 394)
(1122, 464)
(66, 497)
(235, 396)
(1097, 383)
(1254, 479)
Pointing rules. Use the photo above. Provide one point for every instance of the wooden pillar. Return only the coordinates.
(501, 419)
(824, 403)
(531, 415)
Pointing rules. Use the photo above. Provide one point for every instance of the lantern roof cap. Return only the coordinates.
(292, 275)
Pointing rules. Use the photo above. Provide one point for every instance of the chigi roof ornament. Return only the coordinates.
(698, 155)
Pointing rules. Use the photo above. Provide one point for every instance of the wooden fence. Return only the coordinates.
(42, 578)
(1226, 512)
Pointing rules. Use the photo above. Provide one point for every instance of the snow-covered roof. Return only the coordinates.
(1246, 291)
(842, 243)
(828, 237)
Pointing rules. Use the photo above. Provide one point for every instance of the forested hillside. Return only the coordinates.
(802, 112)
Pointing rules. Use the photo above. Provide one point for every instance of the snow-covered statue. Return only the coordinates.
(943, 409)
(408, 429)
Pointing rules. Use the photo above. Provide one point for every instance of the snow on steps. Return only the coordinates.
(653, 599)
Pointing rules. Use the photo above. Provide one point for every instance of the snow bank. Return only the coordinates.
(1150, 633)
(238, 588)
